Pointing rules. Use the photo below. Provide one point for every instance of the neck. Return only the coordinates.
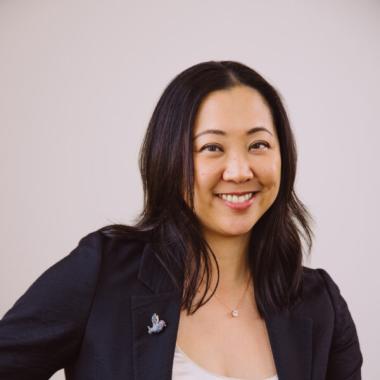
(231, 254)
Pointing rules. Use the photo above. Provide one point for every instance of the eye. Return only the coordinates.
(259, 145)
(206, 147)
(264, 145)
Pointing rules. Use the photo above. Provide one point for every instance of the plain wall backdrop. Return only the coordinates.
(78, 83)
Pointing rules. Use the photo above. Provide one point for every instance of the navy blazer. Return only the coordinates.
(89, 312)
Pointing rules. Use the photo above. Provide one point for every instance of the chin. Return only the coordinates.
(227, 226)
(233, 231)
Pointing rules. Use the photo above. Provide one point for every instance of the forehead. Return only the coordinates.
(233, 110)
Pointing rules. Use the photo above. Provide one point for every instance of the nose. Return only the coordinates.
(238, 170)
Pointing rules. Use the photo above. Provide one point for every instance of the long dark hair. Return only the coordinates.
(170, 224)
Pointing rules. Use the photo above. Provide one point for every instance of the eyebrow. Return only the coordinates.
(222, 133)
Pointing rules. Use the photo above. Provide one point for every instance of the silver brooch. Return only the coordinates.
(157, 324)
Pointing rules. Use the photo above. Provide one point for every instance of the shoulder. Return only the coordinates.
(319, 283)
(98, 248)
(76, 276)
(73, 278)
(318, 287)
(323, 301)
(316, 277)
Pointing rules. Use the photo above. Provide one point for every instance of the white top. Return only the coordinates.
(186, 369)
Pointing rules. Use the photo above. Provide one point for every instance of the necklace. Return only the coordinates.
(235, 311)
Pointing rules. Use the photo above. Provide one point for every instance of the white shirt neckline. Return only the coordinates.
(211, 374)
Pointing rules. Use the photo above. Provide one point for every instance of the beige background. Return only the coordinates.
(79, 80)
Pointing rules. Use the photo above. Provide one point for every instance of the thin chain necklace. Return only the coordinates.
(235, 311)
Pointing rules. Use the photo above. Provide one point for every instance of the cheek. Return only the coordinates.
(203, 182)
(270, 173)
(205, 176)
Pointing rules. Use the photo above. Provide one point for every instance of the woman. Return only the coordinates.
(209, 283)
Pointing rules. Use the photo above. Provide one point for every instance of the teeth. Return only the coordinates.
(235, 198)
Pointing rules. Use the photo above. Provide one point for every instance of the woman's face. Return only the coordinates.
(236, 150)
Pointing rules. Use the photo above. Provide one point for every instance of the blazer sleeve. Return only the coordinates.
(42, 332)
(345, 359)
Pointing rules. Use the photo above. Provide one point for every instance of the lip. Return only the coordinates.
(239, 206)
(239, 192)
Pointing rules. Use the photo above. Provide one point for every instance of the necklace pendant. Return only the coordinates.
(235, 313)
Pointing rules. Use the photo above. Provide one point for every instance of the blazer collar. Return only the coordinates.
(290, 335)
(152, 272)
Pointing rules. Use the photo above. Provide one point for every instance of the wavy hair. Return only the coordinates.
(170, 224)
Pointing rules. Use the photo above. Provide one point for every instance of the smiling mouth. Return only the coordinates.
(233, 198)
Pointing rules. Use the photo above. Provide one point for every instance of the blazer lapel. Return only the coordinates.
(291, 341)
(153, 354)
